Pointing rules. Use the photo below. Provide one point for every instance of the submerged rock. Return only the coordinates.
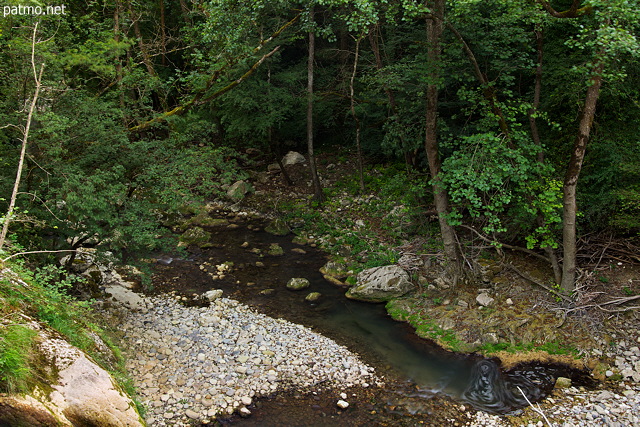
(313, 296)
(275, 250)
(380, 284)
(277, 227)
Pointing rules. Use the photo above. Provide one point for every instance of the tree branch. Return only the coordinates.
(198, 97)
(504, 245)
(573, 12)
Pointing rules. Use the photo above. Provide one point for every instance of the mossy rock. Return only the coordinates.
(299, 240)
(335, 269)
(196, 236)
(277, 227)
(275, 250)
(297, 283)
(239, 190)
(313, 296)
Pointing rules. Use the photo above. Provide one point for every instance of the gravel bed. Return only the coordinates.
(191, 364)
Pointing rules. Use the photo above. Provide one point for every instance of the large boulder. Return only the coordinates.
(196, 236)
(380, 284)
(293, 158)
(77, 391)
(238, 190)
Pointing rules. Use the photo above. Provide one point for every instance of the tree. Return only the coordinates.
(435, 26)
(37, 78)
(607, 36)
(318, 194)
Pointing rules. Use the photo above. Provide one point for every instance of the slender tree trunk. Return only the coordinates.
(488, 91)
(37, 76)
(355, 116)
(535, 136)
(144, 51)
(116, 37)
(163, 34)
(441, 199)
(318, 194)
(537, 89)
(571, 180)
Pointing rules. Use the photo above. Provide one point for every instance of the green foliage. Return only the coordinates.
(490, 180)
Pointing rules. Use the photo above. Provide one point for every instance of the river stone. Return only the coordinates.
(125, 297)
(196, 236)
(213, 294)
(297, 283)
(563, 382)
(313, 296)
(275, 250)
(204, 220)
(239, 189)
(277, 227)
(380, 284)
(293, 158)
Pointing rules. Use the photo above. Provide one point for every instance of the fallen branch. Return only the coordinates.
(535, 408)
(537, 282)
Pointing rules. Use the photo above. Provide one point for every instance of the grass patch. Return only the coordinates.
(16, 357)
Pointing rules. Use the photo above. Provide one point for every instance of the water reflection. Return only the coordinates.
(493, 390)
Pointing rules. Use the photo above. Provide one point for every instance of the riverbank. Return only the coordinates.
(193, 364)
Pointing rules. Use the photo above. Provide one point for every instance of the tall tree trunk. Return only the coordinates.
(318, 194)
(355, 116)
(116, 37)
(571, 179)
(163, 34)
(537, 89)
(37, 77)
(434, 34)
(535, 136)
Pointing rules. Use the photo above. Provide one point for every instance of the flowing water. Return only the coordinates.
(423, 369)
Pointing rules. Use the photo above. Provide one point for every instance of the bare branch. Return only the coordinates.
(35, 252)
(504, 245)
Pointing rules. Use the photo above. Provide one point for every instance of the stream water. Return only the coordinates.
(419, 369)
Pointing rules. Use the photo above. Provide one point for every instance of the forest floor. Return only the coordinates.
(596, 331)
